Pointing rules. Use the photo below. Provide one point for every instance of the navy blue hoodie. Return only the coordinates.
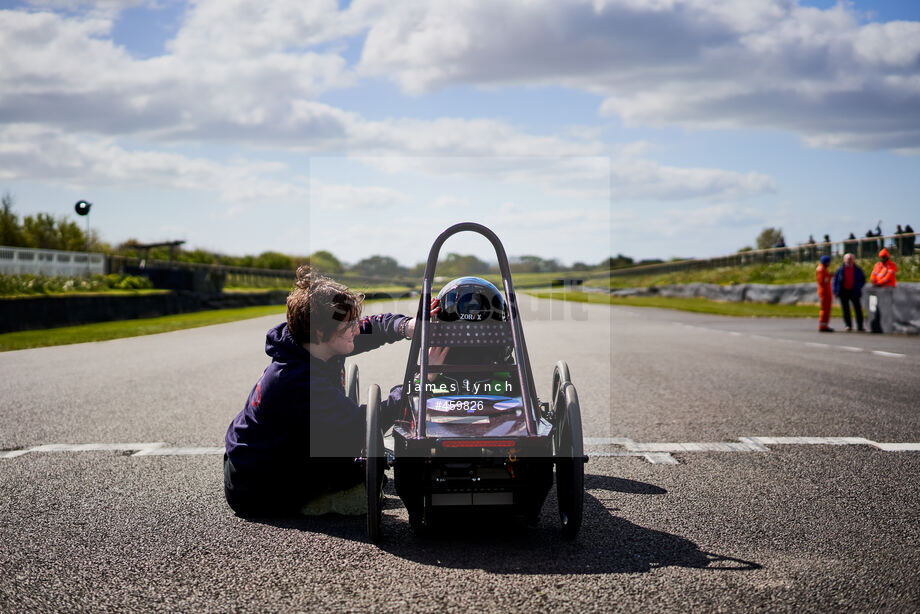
(297, 417)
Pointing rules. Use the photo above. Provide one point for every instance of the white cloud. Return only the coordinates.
(766, 64)
(637, 178)
(237, 73)
(348, 197)
(64, 71)
(29, 152)
(235, 29)
(562, 219)
(630, 175)
(245, 72)
(450, 203)
(576, 177)
(721, 216)
(95, 7)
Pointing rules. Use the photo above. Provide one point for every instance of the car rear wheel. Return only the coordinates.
(569, 455)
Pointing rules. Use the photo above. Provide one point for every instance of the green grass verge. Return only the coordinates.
(254, 289)
(358, 288)
(697, 305)
(146, 292)
(104, 331)
(774, 273)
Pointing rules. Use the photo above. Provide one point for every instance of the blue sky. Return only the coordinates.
(576, 129)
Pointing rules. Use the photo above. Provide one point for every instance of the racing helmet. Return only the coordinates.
(471, 299)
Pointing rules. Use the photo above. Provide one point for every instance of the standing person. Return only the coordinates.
(849, 246)
(823, 277)
(297, 437)
(848, 284)
(779, 253)
(810, 248)
(885, 271)
(909, 241)
(868, 244)
(899, 240)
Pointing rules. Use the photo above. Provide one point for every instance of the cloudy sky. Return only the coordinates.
(576, 129)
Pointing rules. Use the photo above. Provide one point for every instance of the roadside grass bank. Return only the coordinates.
(12, 286)
(104, 331)
(117, 329)
(109, 292)
(774, 273)
(696, 305)
(17, 286)
(371, 290)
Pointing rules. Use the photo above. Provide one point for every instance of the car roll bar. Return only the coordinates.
(421, 337)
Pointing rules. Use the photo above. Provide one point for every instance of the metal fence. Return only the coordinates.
(246, 276)
(54, 263)
(51, 262)
(866, 247)
(241, 276)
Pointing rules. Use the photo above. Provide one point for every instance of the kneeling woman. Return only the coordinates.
(298, 435)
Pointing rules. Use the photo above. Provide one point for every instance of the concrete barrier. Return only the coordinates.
(35, 313)
(898, 308)
(31, 313)
(39, 312)
(893, 310)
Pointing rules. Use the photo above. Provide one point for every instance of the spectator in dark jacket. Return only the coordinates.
(849, 246)
(848, 284)
(298, 435)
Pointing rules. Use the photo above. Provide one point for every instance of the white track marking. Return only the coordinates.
(833, 441)
(601, 441)
(845, 348)
(95, 447)
(898, 447)
(655, 458)
(657, 453)
(179, 451)
(660, 453)
(13, 453)
(661, 459)
(156, 448)
(755, 445)
(888, 354)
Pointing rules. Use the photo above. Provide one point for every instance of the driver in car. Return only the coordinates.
(474, 300)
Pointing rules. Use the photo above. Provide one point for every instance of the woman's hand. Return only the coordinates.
(436, 356)
(435, 310)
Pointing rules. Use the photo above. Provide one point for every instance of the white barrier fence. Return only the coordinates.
(51, 262)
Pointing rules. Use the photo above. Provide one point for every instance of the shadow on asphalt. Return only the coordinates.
(630, 487)
(606, 544)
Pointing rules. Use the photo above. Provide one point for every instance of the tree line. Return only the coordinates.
(44, 231)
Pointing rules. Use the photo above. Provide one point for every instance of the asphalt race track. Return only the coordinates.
(737, 465)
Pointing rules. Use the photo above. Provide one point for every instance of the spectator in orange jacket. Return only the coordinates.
(885, 271)
(825, 296)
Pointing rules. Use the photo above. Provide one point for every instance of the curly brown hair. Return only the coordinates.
(319, 304)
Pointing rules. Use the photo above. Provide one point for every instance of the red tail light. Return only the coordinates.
(478, 443)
